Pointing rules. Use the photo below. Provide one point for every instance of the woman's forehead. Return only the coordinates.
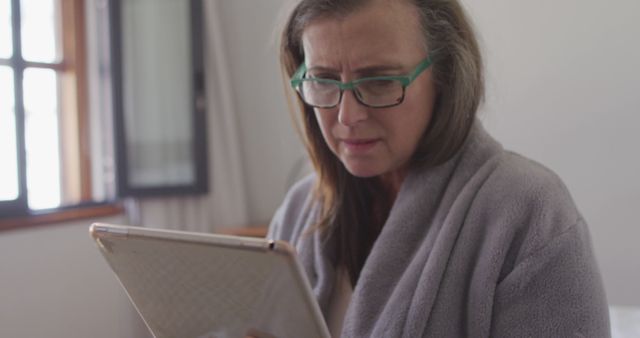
(375, 33)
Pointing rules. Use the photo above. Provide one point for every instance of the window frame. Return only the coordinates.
(71, 71)
(198, 108)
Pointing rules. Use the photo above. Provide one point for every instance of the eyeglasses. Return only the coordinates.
(374, 92)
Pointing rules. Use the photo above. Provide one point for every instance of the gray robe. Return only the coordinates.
(488, 244)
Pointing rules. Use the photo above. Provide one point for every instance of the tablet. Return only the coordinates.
(195, 285)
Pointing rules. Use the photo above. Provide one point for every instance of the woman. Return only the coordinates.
(416, 223)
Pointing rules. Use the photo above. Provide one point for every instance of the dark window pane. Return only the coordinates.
(157, 92)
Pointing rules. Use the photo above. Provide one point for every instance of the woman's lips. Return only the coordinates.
(359, 146)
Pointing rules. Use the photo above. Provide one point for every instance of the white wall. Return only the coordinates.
(54, 283)
(563, 89)
(270, 147)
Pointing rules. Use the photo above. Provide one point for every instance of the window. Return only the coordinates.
(159, 100)
(94, 103)
(44, 144)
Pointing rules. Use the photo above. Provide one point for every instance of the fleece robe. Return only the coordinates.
(488, 244)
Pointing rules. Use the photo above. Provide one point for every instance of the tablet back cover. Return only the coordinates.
(196, 286)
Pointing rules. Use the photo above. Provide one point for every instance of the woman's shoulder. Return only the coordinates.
(528, 200)
(521, 180)
(296, 212)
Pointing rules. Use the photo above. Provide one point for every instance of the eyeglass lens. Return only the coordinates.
(374, 93)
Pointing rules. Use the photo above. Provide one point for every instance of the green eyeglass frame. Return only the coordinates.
(298, 78)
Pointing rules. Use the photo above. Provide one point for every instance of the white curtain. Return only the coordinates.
(226, 204)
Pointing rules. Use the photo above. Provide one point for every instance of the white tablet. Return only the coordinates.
(194, 285)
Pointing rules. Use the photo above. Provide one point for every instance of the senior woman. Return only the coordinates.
(416, 223)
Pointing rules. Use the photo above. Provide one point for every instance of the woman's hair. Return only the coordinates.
(355, 209)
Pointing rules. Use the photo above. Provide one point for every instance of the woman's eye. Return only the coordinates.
(382, 83)
(378, 84)
(324, 76)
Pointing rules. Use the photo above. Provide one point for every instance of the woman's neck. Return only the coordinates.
(392, 181)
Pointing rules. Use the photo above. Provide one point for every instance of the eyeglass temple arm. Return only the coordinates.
(297, 76)
(421, 67)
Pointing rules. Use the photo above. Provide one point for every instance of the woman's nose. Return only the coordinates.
(350, 111)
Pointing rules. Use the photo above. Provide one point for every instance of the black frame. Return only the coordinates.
(199, 147)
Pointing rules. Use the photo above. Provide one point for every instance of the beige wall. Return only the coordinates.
(270, 147)
(54, 283)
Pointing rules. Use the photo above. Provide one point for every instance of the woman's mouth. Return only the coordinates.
(359, 146)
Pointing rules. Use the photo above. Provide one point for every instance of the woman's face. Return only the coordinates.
(383, 38)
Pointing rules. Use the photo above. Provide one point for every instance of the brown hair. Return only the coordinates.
(354, 209)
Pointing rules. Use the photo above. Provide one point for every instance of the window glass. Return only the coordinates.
(158, 92)
(41, 138)
(39, 30)
(8, 150)
(6, 47)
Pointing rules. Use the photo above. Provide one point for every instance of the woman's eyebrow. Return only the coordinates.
(377, 69)
(322, 69)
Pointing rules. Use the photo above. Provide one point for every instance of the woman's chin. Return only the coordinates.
(362, 171)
